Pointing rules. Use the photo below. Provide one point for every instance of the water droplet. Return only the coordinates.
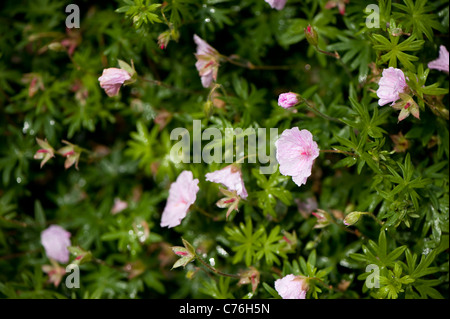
(207, 20)
(26, 126)
(52, 122)
(212, 261)
(19, 180)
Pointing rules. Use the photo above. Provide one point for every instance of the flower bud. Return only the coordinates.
(311, 36)
(353, 218)
(163, 39)
(56, 46)
(208, 108)
(287, 100)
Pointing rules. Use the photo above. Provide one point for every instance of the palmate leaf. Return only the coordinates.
(141, 12)
(248, 241)
(179, 10)
(416, 18)
(141, 147)
(357, 56)
(396, 51)
(271, 247)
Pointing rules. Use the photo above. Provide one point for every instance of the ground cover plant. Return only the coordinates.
(224, 149)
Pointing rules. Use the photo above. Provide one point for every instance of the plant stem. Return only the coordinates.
(204, 212)
(375, 218)
(251, 66)
(12, 256)
(214, 270)
(15, 222)
(334, 55)
(442, 112)
(329, 287)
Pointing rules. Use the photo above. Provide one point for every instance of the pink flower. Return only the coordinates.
(442, 62)
(296, 152)
(55, 240)
(292, 287)
(231, 177)
(287, 100)
(182, 195)
(391, 84)
(119, 205)
(276, 4)
(207, 61)
(112, 79)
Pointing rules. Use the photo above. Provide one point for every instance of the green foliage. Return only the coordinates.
(394, 172)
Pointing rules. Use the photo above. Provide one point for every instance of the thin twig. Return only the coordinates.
(251, 66)
(216, 271)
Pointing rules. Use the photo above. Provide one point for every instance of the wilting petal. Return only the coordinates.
(112, 79)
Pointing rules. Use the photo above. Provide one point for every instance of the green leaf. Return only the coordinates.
(416, 18)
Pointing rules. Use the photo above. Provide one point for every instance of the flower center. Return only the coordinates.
(305, 153)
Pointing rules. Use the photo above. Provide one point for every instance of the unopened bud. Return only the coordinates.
(311, 36)
(353, 218)
(163, 39)
(56, 46)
